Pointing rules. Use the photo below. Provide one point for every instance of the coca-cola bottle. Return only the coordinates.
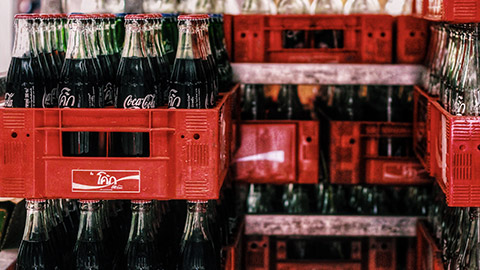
(104, 59)
(79, 86)
(160, 68)
(219, 50)
(49, 21)
(196, 248)
(25, 78)
(253, 102)
(135, 87)
(169, 30)
(36, 250)
(51, 71)
(141, 251)
(108, 33)
(289, 105)
(89, 252)
(189, 84)
(211, 65)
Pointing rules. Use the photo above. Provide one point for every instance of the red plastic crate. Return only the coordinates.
(333, 265)
(422, 128)
(278, 151)
(411, 39)
(382, 253)
(366, 38)
(354, 156)
(257, 256)
(189, 153)
(454, 11)
(234, 252)
(429, 256)
(227, 28)
(456, 151)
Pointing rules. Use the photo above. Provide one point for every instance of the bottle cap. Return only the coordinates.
(135, 17)
(193, 17)
(89, 201)
(78, 16)
(140, 201)
(46, 16)
(23, 16)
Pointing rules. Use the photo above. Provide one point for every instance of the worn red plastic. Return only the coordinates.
(422, 128)
(411, 39)
(453, 11)
(228, 28)
(456, 152)
(257, 255)
(367, 38)
(429, 256)
(278, 151)
(234, 252)
(189, 153)
(354, 154)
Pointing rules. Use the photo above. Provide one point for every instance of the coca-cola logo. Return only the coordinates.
(9, 99)
(117, 181)
(147, 102)
(66, 99)
(174, 101)
(47, 99)
(109, 92)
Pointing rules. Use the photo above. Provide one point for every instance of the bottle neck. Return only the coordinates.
(25, 40)
(196, 226)
(150, 39)
(36, 227)
(100, 40)
(44, 34)
(90, 223)
(52, 35)
(107, 33)
(188, 43)
(141, 229)
(134, 41)
(78, 46)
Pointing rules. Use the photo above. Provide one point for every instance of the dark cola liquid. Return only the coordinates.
(108, 79)
(36, 255)
(161, 74)
(51, 75)
(142, 255)
(135, 89)
(90, 256)
(24, 83)
(197, 254)
(78, 88)
(188, 85)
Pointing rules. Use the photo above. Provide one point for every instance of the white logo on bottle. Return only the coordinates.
(147, 102)
(47, 100)
(174, 100)
(109, 92)
(65, 99)
(9, 99)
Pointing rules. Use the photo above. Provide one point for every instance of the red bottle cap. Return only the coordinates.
(135, 17)
(193, 17)
(26, 16)
(78, 17)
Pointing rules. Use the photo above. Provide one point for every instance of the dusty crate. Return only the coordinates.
(429, 256)
(411, 39)
(456, 152)
(313, 38)
(357, 154)
(453, 11)
(422, 128)
(278, 151)
(189, 153)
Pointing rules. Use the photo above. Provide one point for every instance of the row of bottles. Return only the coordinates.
(366, 103)
(331, 199)
(392, 7)
(453, 67)
(92, 234)
(93, 74)
(256, 106)
(456, 231)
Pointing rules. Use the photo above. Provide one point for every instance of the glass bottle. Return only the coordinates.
(141, 251)
(25, 78)
(79, 86)
(253, 102)
(89, 251)
(470, 80)
(108, 34)
(169, 37)
(327, 6)
(208, 59)
(293, 7)
(295, 200)
(36, 250)
(456, 91)
(196, 247)
(361, 7)
(219, 50)
(51, 38)
(135, 87)
(289, 105)
(47, 63)
(259, 7)
(188, 84)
